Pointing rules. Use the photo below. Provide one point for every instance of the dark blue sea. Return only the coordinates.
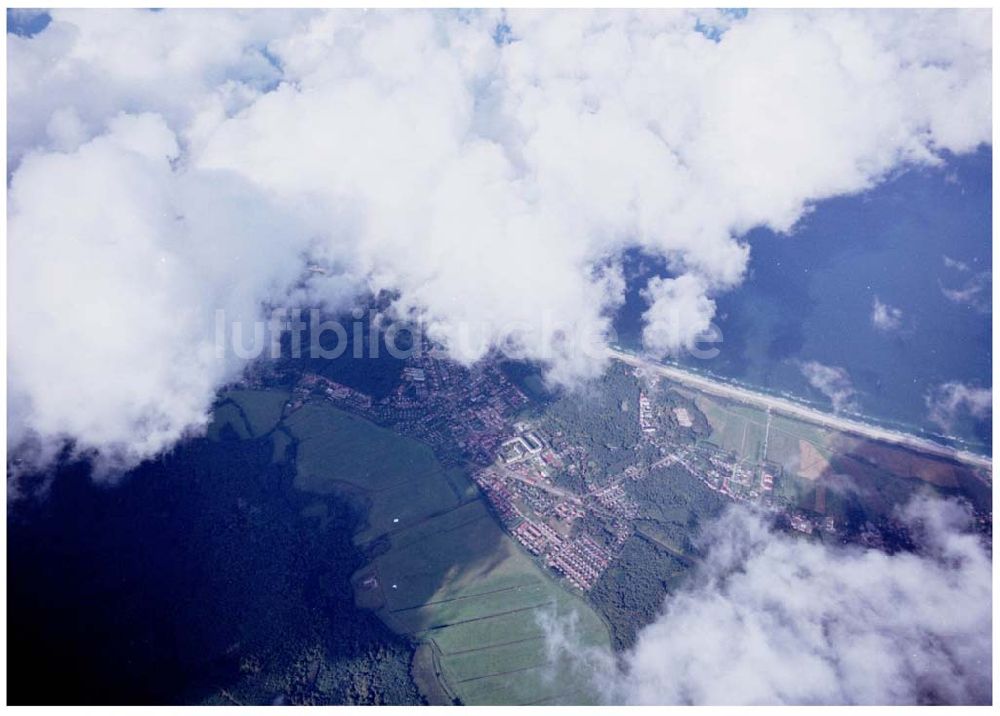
(809, 296)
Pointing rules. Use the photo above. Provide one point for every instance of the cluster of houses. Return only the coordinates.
(581, 560)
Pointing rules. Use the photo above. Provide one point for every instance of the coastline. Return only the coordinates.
(802, 411)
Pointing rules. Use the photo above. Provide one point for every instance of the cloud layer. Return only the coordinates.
(833, 382)
(774, 619)
(950, 401)
(487, 168)
(973, 289)
(885, 317)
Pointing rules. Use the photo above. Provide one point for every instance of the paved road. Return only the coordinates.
(803, 412)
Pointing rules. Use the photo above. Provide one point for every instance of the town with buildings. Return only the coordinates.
(464, 414)
(476, 417)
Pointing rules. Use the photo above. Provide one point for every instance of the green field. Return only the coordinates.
(400, 479)
(736, 428)
(228, 415)
(251, 413)
(743, 430)
(444, 572)
(800, 429)
(262, 408)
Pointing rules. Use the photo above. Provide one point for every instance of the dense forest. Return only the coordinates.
(198, 578)
(630, 594)
(603, 420)
(676, 502)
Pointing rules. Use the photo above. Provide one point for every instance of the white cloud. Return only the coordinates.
(955, 264)
(119, 264)
(885, 317)
(976, 292)
(774, 619)
(678, 312)
(833, 382)
(949, 401)
(97, 63)
(492, 187)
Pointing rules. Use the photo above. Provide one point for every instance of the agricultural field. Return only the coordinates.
(251, 413)
(832, 474)
(438, 569)
(802, 450)
(261, 408)
(442, 571)
(228, 416)
(737, 428)
(337, 447)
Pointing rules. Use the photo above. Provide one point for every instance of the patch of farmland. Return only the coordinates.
(753, 441)
(812, 464)
(737, 428)
(262, 408)
(903, 462)
(426, 673)
(228, 414)
(509, 626)
(514, 666)
(335, 446)
(444, 571)
(458, 580)
(500, 658)
(783, 449)
(820, 437)
(395, 507)
(280, 441)
(445, 568)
